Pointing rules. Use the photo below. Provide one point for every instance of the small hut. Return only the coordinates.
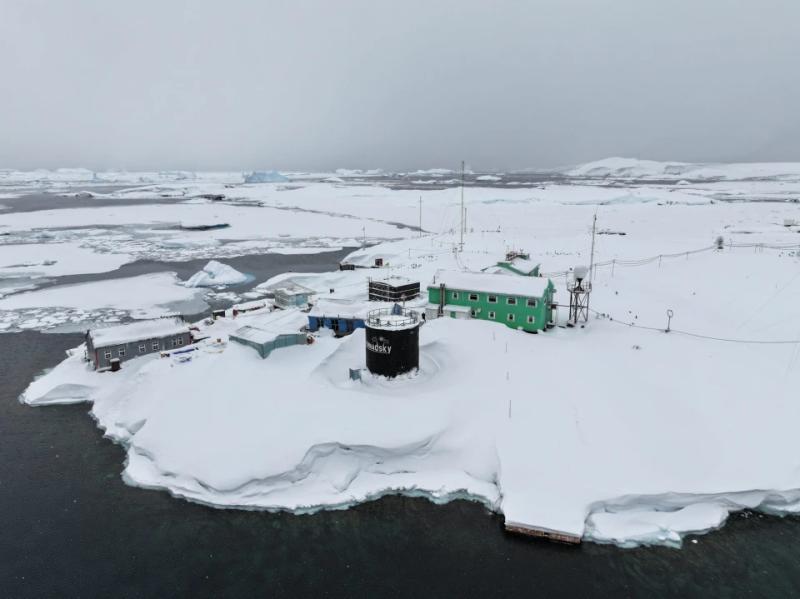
(265, 341)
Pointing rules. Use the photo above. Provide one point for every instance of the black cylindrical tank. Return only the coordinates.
(392, 341)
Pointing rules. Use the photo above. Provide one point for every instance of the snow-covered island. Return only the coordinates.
(613, 430)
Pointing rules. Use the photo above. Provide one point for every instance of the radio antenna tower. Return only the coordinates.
(591, 261)
(461, 241)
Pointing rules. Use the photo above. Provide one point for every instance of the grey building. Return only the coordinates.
(127, 341)
(265, 341)
(292, 295)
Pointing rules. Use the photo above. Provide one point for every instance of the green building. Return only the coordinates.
(524, 268)
(516, 262)
(519, 302)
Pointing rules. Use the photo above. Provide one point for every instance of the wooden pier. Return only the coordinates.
(543, 533)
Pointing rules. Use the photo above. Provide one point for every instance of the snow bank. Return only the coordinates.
(655, 527)
(216, 274)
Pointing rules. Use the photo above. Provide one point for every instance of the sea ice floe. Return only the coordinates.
(145, 296)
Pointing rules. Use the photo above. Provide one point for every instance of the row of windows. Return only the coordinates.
(511, 318)
(492, 299)
(143, 348)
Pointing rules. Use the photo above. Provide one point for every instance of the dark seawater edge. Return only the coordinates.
(72, 528)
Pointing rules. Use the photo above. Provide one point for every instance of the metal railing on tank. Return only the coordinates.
(395, 317)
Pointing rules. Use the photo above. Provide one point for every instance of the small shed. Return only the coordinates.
(126, 341)
(265, 341)
(516, 262)
(522, 267)
(292, 295)
(247, 307)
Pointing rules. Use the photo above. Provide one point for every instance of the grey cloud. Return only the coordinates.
(316, 85)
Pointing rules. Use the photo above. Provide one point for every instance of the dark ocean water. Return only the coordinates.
(259, 266)
(71, 528)
(41, 200)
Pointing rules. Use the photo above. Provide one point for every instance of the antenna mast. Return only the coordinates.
(420, 216)
(461, 242)
(591, 265)
(591, 258)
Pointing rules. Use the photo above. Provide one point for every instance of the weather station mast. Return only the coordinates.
(579, 286)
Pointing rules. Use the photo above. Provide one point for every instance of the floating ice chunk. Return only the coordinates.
(265, 177)
(216, 274)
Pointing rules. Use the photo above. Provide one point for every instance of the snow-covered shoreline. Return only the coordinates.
(613, 433)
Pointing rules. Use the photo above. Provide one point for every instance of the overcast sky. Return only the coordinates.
(407, 84)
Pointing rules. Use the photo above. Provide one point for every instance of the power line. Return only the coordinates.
(698, 335)
(651, 259)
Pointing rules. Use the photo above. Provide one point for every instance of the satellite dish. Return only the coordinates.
(580, 272)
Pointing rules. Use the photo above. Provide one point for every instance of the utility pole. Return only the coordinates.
(591, 263)
(420, 216)
(461, 242)
(591, 258)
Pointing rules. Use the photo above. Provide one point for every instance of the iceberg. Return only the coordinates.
(265, 177)
(216, 274)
